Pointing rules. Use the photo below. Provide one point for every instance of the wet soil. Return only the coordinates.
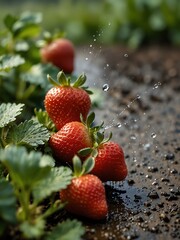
(139, 97)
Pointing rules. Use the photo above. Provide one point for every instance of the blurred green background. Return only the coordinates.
(131, 22)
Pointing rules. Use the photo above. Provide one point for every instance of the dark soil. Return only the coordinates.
(140, 106)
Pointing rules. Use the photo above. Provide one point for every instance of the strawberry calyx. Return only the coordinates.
(98, 136)
(64, 81)
(93, 132)
(99, 140)
(82, 168)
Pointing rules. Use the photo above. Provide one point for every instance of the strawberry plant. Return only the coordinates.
(22, 71)
(29, 179)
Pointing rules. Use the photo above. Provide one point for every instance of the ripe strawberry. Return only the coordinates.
(60, 53)
(85, 196)
(71, 138)
(65, 102)
(110, 163)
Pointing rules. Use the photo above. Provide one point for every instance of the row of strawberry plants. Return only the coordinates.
(76, 142)
(29, 178)
(56, 150)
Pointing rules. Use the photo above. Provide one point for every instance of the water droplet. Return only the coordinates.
(133, 137)
(153, 135)
(156, 85)
(105, 87)
(119, 125)
(107, 65)
(109, 24)
(147, 146)
(91, 45)
(94, 39)
(125, 55)
(90, 52)
(86, 58)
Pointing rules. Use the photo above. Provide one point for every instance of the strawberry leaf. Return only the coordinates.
(34, 229)
(9, 112)
(27, 25)
(88, 165)
(44, 119)
(90, 119)
(7, 202)
(69, 229)
(87, 90)
(85, 151)
(80, 81)
(25, 169)
(10, 61)
(9, 21)
(61, 78)
(57, 180)
(29, 133)
(52, 81)
(77, 166)
(38, 73)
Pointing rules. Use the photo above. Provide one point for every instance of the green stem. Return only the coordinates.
(24, 200)
(2, 137)
(29, 91)
(52, 209)
(20, 89)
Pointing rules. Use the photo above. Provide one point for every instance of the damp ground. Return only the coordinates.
(138, 93)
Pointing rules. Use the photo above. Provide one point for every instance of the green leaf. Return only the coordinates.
(52, 81)
(29, 133)
(61, 78)
(37, 75)
(9, 21)
(44, 119)
(7, 202)
(67, 230)
(80, 81)
(77, 166)
(25, 169)
(9, 112)
(99, 137)
(56, 180)
(88, 165)
(27, 25)
(85, 151)
(33, 230)
(10, 61)
(90, 119)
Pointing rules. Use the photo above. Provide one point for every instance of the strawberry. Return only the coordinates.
(59, 52)
(85, 196)
(71, 138)
(110, 163)
(65, 101)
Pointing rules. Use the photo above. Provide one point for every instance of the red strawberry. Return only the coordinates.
(71, 138)
(59, 52)
(65, 102)
(85, 196)
(110, 163)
